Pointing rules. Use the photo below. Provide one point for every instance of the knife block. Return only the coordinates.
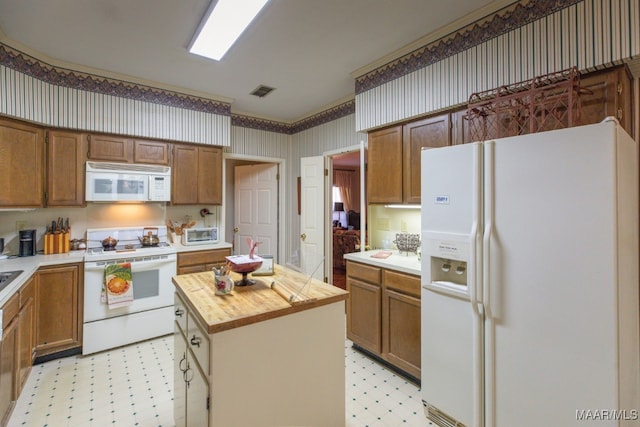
(57, 243)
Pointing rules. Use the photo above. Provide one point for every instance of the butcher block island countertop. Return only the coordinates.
(266, 299)
(259, 348)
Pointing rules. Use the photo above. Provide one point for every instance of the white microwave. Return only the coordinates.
(199, 236)
(124, 182)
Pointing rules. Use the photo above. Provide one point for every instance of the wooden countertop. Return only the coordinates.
(268, 298)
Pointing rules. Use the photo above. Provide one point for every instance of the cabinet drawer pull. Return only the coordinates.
(179, 312)
(195, 341)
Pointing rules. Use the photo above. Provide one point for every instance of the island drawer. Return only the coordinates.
(180, 312)
(198, 342)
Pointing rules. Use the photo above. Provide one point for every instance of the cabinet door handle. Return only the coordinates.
(185, 376)
(184, 359)
(195, 341)
(179, 312)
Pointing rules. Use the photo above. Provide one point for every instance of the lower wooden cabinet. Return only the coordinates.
(401, 321)
(16, 347)
(383, 314)
(203, 260)
(58, 308)
(8, 364)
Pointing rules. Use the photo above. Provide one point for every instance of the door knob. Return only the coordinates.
(236, 229)
(303, 236)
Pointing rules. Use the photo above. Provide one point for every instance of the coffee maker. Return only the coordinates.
(27, 243)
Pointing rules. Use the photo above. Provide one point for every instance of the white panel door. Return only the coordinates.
(256, 207)
(312, 197)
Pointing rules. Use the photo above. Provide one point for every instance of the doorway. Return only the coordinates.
(347, 232)
(252, 204)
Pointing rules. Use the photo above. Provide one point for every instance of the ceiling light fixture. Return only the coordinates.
(221, 26)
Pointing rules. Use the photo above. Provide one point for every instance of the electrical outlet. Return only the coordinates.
(403, 226)
(21, 225)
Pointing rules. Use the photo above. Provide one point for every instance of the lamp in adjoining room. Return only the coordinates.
(339, 207)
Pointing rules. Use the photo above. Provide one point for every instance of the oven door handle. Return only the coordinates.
(135, 266)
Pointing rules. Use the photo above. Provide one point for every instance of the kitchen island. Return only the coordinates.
(258, 356)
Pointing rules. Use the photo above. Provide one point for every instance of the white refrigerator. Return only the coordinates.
(530, 280)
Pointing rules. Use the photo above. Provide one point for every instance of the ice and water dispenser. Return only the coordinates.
(448, 261)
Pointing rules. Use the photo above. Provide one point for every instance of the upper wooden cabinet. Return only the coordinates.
(384, 166)
(394, 158)
(196, 175)
(428, 133)
(120, 149)
(110, 148)
(153, 152)
(611, 95)
(21, 164)
(66, 155)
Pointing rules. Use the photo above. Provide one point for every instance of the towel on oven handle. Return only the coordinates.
(118, 285)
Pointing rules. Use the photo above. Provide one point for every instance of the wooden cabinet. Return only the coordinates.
(394, 158)
(364, 306)
(153, 152)
(401, 320)
(58, 308)
(111, 148)
(8, 395)
(460, 127)
(196, 175)
(190, 377)
(26, 341)
(16, 347)
(66, 156)
(610, 95)
(427, 133)
(201, 260)
(384, 166)
(383, 314)
(21, 164)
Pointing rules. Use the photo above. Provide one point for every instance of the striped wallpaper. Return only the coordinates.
(589, 34)
(35, 91)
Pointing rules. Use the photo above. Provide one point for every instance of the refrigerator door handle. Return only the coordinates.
(488, 223)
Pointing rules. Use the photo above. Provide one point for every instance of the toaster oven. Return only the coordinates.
(199, 236)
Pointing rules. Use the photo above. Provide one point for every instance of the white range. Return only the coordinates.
(150, 314)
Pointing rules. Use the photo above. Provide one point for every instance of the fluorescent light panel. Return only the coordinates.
(222, 26)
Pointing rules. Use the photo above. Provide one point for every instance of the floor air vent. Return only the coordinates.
(262, 91)
(440, 418)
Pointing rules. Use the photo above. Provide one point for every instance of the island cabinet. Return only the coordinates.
(16, 347)
(259, 348)
(394, 159)
(196, 175)
(202, 260)
(59, 293)
(383, 315)
(191, 369)
(66, 156)
(21, 164)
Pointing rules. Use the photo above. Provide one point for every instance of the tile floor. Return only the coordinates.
(132, 386)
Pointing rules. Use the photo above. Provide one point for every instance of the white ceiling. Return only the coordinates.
(306, 49)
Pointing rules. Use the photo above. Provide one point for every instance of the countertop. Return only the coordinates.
(29, 265)
(251, 304)
(400, 262)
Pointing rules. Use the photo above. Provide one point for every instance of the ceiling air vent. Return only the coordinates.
(262, 91)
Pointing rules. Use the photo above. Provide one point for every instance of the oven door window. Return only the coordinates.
(146, 284)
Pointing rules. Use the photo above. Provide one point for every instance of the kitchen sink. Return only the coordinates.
(7, 277)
